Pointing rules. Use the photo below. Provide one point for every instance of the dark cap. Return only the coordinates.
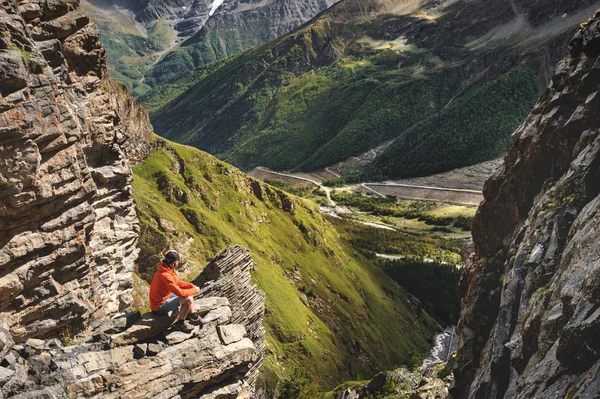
(171, 256)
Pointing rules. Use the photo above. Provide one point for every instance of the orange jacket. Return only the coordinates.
(164, 283)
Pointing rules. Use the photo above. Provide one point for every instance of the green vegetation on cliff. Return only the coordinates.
(330, 311)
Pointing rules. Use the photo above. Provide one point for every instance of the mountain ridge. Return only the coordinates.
(357, 76)
(161, 40)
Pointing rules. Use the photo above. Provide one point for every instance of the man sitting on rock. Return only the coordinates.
(168, 293)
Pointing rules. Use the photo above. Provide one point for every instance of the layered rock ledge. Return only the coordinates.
(68, 235)
(142, 356)
(68, 135)
(530, 317)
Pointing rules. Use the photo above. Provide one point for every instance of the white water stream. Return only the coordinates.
(444, 344)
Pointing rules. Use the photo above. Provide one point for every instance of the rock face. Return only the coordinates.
(228, 275)
(68, 135)
(142, 356)
(530, 319)
(68, 231)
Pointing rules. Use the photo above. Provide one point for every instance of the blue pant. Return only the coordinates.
(171, 304)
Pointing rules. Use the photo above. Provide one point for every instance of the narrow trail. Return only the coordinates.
(371, 190)
(428, 193)
(321, 186)
(372, 187)
(333, 172)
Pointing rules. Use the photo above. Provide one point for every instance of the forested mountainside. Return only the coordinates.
(530, 293)
(329, 311)
(154, 41)
(444, 82)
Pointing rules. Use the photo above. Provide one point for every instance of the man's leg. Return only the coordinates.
(172, 304)
(187, 305)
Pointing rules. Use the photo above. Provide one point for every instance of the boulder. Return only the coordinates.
(13, 74)
(231, 333)
(205, 305)
(217, 316)
(5, 375)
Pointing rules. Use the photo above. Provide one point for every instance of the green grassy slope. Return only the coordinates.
(330, 311)
(360, 74)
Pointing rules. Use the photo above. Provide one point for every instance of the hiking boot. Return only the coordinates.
(183, 326)
(195, 319)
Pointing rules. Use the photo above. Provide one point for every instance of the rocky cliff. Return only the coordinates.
(530, 317)
(69, 231)
(141, 357)
(69, 135)
(228, 275)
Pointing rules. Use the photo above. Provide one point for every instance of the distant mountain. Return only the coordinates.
(445, 82)
(153, 41)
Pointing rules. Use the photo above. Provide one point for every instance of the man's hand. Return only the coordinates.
(197, 290)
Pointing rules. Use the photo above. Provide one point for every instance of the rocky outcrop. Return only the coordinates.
(228, 275)
(399, 383)
(142, 356)
(68, 231)
(530, 318)
(68, 136)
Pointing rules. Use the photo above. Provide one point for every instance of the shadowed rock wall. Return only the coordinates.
(530, 317)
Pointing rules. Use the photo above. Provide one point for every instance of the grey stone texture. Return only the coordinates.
(530, 322)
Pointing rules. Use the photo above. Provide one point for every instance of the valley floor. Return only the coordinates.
(460, 186)
(448, 197)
